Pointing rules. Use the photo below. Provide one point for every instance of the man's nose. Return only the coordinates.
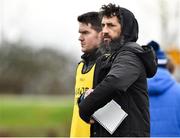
(80, 38)
(105, 30)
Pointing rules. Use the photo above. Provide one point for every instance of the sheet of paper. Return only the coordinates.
(110, 116)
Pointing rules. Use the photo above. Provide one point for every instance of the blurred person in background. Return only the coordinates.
(121, 75)
(164, 94)
(170, 65)
(90, 38)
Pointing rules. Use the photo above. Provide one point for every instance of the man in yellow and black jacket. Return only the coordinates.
(90, 38)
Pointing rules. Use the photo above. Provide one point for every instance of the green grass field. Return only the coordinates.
(32, 116)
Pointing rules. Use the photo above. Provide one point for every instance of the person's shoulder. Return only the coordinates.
(130, 48)
(133, 47)
(126, 54)
(177, 87)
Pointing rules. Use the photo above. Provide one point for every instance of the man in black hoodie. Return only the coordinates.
(121, 75)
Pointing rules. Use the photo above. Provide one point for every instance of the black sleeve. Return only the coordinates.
(125, 69)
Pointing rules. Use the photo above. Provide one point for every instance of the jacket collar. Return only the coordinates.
(91, 56)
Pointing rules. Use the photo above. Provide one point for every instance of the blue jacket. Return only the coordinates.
(164, 94)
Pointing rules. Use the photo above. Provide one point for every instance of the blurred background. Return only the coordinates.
(39, 51)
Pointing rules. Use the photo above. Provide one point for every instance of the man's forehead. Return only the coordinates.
(109, 19)
(85, 24)
(85, 27)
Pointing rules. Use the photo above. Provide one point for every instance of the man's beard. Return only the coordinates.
(114, 44)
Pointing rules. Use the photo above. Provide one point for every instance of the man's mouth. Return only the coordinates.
(82, 44)
(107, 39)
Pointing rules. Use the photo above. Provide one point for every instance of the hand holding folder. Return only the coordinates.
(109, 116)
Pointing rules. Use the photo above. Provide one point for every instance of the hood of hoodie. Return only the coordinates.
(161, 82)
(129, 26)
(147, 56)
(145, 53)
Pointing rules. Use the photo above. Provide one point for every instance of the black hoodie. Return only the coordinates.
(121, 76)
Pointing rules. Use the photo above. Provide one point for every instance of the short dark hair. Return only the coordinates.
(92, 18)
(111, 10)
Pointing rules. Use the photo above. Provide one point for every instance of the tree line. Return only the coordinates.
(25, 70)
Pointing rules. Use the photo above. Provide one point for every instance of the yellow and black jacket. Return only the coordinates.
(84, 81)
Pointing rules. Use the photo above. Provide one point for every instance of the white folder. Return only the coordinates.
(110, 116)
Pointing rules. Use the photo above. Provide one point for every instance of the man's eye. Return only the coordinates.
(84, 33)
(111, 25)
